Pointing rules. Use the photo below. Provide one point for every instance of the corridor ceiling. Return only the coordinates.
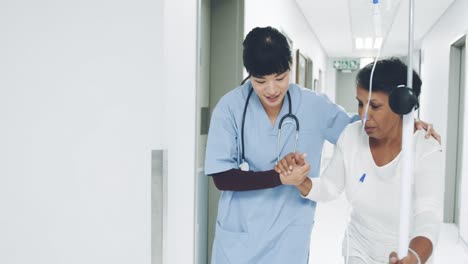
(337, 23)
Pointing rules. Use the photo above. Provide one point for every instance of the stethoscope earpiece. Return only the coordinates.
(402, 100)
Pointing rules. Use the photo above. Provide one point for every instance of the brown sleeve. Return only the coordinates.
(238, 180)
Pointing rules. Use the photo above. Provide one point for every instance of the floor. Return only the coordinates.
(331, 219)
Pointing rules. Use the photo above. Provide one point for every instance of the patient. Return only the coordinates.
(366, 165)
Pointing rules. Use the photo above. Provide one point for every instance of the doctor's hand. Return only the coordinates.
(430, 131)
(286, 165)
(293, 169)
(410, 259)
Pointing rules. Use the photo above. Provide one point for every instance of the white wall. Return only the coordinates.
(285, 15)
(203, 100)
(80, 103)
(330, 80)
(180, 82)
(434, 71)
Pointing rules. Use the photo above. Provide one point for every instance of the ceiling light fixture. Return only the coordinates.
(378, 43)
(368, 43)
(359, 43)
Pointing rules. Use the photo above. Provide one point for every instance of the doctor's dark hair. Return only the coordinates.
(266, 51)
(388, 75)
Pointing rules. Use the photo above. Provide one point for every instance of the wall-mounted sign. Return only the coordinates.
(346, 64)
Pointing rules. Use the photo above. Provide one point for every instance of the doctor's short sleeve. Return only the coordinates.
(221, 148)
(335, 119)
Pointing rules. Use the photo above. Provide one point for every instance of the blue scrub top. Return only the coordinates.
(270, 225)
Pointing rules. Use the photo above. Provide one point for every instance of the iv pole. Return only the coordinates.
(407, 150)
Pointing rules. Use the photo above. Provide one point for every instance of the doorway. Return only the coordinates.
(346, 90)
(219, 70)
(455, 125)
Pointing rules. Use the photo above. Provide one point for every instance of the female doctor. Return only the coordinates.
(261, 215)
(262, 218)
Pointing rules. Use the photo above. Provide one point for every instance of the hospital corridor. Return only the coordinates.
(233, 131)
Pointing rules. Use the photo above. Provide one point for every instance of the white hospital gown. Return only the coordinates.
(374, 221)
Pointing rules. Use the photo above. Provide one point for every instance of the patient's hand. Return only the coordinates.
(293, 169)
(287, 164)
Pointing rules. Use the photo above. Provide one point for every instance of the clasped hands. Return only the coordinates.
(293, 169)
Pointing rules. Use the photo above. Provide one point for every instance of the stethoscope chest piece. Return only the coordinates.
(244, 166)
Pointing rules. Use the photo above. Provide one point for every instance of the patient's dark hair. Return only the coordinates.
(266, 51)
(388, 75)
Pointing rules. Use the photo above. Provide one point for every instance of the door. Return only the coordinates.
(455, 125)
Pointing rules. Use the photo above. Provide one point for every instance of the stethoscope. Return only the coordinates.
(244, 165)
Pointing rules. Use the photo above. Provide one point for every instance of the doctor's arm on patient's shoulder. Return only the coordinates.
(430, 131)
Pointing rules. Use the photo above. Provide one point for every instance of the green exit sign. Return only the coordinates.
(346, 64)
